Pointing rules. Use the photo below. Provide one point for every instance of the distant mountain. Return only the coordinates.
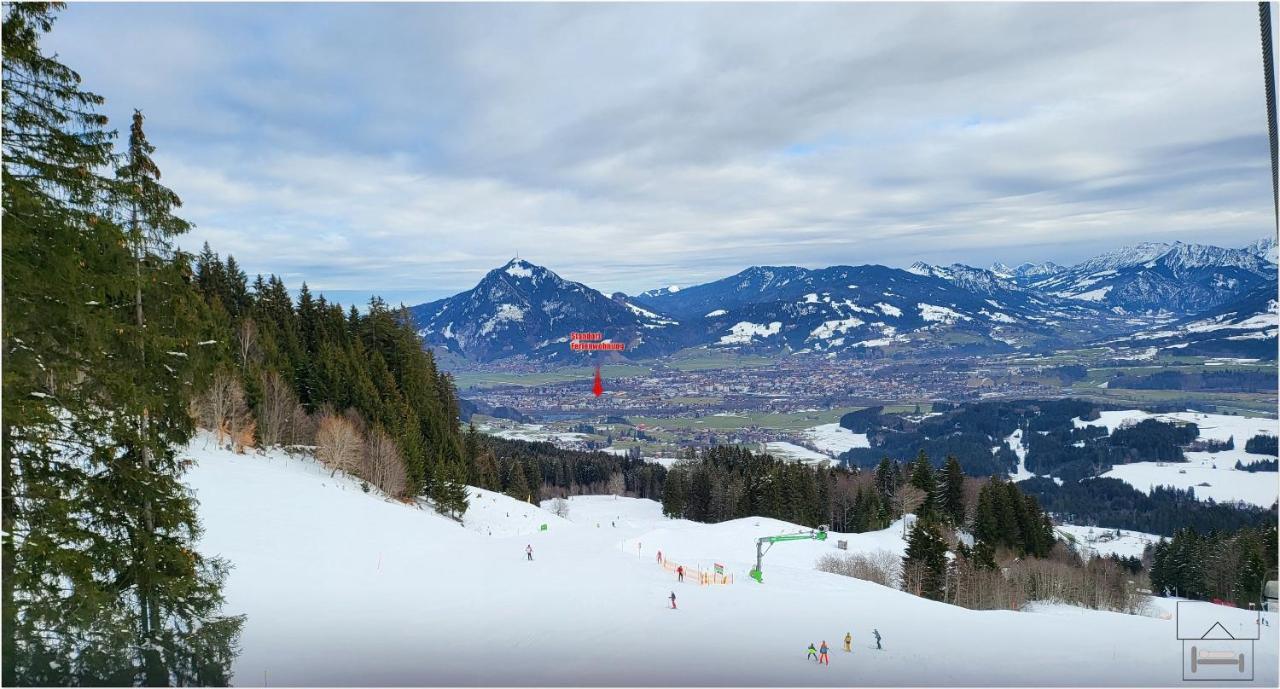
(672, 289)
(1026, 272)
(522, 309)
(973, 279)
(1152, 277)
(753, 285)
(871, 310)
(1244, 327)
(1264, 248)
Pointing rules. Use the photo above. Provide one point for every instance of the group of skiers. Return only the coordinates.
(819, 653)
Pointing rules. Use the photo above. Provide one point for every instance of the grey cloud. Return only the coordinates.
(412, 147)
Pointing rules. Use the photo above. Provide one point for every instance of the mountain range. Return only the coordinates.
(524, 310)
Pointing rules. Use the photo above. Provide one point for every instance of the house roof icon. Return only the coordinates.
(1217, 631)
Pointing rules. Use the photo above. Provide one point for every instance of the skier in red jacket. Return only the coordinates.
(680, 573)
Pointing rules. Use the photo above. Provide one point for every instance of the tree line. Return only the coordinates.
(535, 471)
(1227, 566)
(1112, 503)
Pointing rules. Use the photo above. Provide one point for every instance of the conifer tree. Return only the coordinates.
(924, 566)
(518, 484)
(175, 588)
(953, 492)
(922, 478)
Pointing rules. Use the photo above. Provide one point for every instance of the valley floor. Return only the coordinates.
(346, 588)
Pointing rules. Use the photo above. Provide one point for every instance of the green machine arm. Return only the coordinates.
(819, 535)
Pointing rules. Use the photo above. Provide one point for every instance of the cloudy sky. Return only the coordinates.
(406, 149)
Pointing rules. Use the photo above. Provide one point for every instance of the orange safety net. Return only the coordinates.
(698, 576)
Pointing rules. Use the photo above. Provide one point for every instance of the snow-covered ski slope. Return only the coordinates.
(346, 588)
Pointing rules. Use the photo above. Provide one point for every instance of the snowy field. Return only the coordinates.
(833, 439)
(791, 451)
(534, 432)
(343, 587)
(1093, 541)
(1217, 469)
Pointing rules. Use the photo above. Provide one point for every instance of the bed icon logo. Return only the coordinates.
(1202, 657)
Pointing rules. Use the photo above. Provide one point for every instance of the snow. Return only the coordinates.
(835, 439)
(1093, 295)
(1092, 541)
(998, 316)
(745, 331)
(658, 320)
(673, 288)
(1224, 484)
(829, 328)
(344, 588)
(792, 451)
(533, 432)
(1014, 441)
(940, 314)
(878, 342)
(1214, 468)
(889, 309)
(505, 312)
(811, 298)
(519, 269)
(717, 312)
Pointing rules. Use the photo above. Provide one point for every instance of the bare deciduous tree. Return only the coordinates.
(905, 500)
(383, 465)
(338, 444)
(880, 567)
(617, 485)
(560, 507)
(222, 409)
(276, 415)
(247, 342)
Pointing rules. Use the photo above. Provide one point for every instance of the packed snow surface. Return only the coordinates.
(347, 588)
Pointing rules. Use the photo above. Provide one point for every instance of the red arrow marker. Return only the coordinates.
(598, 388)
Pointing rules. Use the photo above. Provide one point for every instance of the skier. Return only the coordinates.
(848, 639)
(680, 573)
(659, 557)
(813, 652)
(876, 633)
(673, 600)
(528, 551)
(822, 655)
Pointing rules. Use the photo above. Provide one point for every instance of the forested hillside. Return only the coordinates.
(360, 387)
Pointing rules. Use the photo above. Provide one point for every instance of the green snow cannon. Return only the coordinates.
(818, 535)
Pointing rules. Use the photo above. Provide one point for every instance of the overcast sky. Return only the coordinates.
(407, 149)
